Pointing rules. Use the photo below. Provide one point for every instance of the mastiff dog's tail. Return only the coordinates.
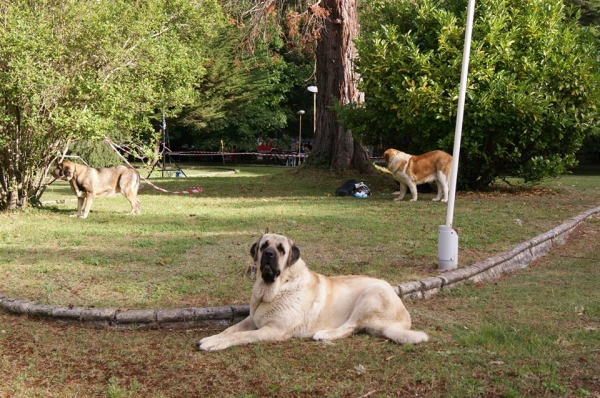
(398, 333)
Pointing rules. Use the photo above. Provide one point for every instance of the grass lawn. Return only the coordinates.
(193, 250)
(535, 333)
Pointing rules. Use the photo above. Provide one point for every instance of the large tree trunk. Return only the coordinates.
(333, 145)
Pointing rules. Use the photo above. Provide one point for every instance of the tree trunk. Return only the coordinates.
(333, 145)
(22, 175)
(15, 181)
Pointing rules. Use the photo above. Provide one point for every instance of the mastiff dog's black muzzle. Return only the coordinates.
(269, 265)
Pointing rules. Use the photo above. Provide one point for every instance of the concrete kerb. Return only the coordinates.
(129, 319)
(520, 256)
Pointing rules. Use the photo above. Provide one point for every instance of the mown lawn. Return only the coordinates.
(192, 250)
(535, 333)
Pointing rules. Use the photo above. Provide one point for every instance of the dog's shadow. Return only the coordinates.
(56, 210)
(52, 206)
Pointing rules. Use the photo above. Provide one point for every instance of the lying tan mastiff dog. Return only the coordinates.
(288, 300)
(89, 183)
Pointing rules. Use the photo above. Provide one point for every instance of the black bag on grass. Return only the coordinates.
(347, 188)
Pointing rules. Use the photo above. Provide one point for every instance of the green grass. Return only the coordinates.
(535, 333)
(192, 250)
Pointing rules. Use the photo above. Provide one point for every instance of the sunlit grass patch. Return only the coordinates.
(144, 261)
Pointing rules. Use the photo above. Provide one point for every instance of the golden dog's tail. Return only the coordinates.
(398, 333)
(381, 169)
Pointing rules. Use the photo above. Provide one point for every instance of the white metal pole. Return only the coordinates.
(314, 90)
(300, 139)
(460, 112)
(300, 113)
(448, 240)
(314, 114)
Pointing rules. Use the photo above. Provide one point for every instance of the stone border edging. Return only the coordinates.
(518, 257)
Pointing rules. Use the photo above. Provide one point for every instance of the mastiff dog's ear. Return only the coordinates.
(294, 253)
(254, 249)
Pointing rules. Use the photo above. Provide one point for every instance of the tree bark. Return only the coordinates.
(333, 145)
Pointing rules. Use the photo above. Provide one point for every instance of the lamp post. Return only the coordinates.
(300, 113)
(314, 90)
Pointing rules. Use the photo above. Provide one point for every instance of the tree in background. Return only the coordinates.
(241, 95)
(590, 17)
(335, 145)
(590, 9)
(86, 69)
(327, 27)
(533, 84)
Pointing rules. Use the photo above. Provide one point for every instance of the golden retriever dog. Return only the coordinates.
(89, 183)
(412, 170)
(288, 300)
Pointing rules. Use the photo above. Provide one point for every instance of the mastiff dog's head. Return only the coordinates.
(274, 253)
(65, 170)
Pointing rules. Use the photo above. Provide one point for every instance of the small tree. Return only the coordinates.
(532, 94)
(86, 69)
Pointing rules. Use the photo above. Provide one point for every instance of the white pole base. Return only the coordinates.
(447, 248)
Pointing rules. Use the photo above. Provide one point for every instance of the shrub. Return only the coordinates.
(532, 91)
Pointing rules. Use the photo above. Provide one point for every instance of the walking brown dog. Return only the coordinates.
(89, 183)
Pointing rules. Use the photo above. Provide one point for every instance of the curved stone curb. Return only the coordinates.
(115, 318)
(518, 257)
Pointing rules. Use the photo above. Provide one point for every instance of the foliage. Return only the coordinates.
(306, 25)
(86, 69)
(590, 17)
(590, 151)
(95, 153)
(524, 116)
(590, 11)
(242, 95)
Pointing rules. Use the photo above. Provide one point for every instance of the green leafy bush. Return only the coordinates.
(532, 93)
(95, 153)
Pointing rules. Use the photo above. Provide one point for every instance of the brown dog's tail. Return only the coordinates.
(137, 179)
